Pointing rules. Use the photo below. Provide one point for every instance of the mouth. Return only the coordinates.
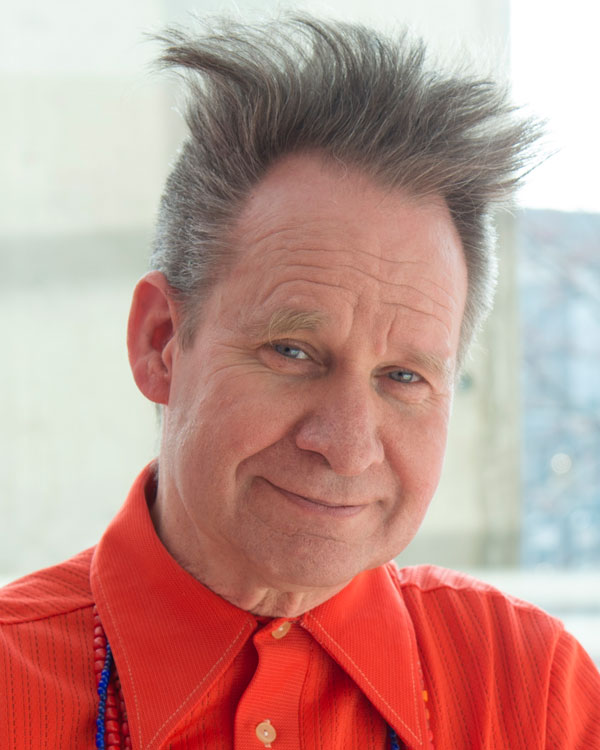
(314, 505)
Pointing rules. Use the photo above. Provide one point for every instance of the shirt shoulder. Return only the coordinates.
(455, 611)
(56, 590)
(47, 679)
(431, 582)
(508, 673)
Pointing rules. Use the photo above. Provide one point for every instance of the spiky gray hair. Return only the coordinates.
(259, 92)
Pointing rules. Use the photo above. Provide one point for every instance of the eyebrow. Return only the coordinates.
(432, 363)
(285, 321)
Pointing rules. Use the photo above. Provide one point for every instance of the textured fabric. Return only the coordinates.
(199, 673)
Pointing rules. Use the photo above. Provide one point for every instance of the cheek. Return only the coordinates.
(235, 420)
(417, 453)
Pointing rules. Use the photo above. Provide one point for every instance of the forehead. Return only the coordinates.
(304, 199)
(314, 232)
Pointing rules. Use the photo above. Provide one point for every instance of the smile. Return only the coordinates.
(318, 506)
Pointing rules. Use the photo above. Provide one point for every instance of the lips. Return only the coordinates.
(318, 505)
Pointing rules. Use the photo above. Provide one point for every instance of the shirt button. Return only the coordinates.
(282, 630)
(266, 733)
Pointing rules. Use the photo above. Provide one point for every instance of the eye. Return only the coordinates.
(405, 376)
(290, 351)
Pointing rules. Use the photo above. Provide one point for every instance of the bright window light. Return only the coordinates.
(556, 66)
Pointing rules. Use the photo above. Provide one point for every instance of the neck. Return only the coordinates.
(269, 602)
(236, 583)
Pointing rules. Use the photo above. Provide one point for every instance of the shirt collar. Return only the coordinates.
(172, 637)
(367, 629)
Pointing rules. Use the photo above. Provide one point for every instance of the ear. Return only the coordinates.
(151, 339)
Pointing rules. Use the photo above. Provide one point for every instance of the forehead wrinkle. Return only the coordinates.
(253, 233)
(356, 301)
(354, 250)
(383, 281)
(378, 257)
(303, 247)
(398, 306)
(398, 285)
(295, 280)
(399, 264)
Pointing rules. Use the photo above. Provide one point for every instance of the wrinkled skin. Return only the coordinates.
(296, 457)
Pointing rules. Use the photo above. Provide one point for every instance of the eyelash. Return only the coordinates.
(281, 346)
(418, 378)
(290, 347)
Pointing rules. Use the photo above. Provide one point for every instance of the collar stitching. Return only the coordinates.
(201, 683)
(364, 676)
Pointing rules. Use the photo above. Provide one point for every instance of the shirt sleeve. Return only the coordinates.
(573, 718)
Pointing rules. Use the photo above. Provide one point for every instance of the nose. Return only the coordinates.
(342, 426)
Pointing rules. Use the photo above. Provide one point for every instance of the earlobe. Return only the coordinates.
(151, 336)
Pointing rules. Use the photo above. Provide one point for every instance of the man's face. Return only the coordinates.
(306, 425)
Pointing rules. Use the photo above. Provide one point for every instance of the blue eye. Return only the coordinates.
(289, 351)
(405, 376)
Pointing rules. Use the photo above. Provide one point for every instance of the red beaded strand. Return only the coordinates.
(116, 726)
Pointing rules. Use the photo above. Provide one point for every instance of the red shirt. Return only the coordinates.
(428, 651)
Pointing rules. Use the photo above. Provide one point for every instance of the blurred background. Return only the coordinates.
(87, 134)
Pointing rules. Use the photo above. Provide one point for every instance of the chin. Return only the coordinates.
(317, 568)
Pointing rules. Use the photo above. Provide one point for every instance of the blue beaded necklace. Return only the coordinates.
(103, 694)
(104, 682)
(394, 741)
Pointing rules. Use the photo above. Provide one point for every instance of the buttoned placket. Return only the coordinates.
(268, 713)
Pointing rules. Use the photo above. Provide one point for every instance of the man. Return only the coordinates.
(322, 262)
